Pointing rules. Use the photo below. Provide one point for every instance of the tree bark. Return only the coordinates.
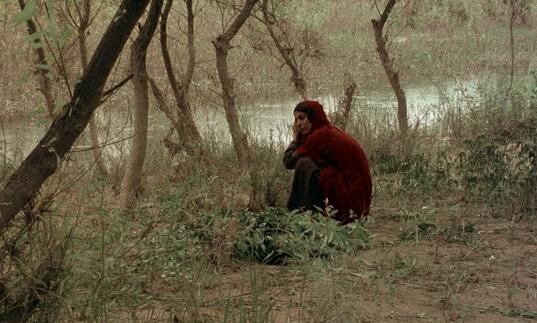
(393, 76)
(130, 184)
(222, 44)
(512, 5)
(297, 76)
(345, 103)
(164, 107)
(41, 71)
(93, 128)
(240, 141)
(44, 160)
(188, 134)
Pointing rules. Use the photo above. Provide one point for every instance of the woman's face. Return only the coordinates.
(302, 122)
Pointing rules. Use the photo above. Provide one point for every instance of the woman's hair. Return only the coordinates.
(315, 114)
(314, 111)
(304, 107)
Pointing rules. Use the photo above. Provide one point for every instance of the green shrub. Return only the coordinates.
(277, 236)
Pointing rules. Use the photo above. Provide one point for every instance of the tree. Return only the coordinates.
(222, 45)
(512, 42)
(285, 49)
(130, 184)
(393, 76)
(240, 142)
(182, 120)
(84, 21)
(41, 64)
(45, 158)
(342, 115)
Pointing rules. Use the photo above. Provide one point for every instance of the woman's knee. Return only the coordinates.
(305, 163)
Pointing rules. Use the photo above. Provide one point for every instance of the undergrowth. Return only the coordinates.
(197, 225)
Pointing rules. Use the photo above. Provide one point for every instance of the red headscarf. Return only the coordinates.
(345, 176)
(315, 112)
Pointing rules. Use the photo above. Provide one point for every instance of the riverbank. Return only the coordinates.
(474, 266)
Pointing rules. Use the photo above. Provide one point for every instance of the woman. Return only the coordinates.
(329, 165)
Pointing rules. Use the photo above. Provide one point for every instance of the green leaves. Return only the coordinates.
(27, 13)
(51, 30)
(277, 236)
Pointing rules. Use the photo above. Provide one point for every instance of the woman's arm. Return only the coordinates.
(290, 156)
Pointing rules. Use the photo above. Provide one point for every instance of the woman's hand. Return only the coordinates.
(295, 131)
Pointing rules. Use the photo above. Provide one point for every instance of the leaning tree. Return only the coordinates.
(45, 158)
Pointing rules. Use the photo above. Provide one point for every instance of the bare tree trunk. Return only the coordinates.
(189, 74)
(93, 128)
(188, 132)
(130, 184)
(221, 44)
(392, 75)
(163, 106)
(173, 148)
(240, 141)
(41, 63)
(286, 53)
(44, 160)
(345, 103)
(512, 43)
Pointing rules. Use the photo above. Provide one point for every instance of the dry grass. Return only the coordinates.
(488, 275)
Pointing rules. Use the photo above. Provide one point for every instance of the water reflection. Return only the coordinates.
(265, 122)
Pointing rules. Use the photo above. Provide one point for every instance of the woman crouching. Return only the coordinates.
(330, 166)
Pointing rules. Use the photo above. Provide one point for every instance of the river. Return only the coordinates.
(267, 121)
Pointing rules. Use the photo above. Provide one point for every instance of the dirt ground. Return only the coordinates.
(471, 267)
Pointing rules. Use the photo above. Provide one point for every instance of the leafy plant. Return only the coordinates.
(458, 230)
(421, 230)
(276, 236)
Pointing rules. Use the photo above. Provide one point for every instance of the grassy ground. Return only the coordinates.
(485, 275)
(431, 260)
(451, 236)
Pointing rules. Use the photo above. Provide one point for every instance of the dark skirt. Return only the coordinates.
(306, 190)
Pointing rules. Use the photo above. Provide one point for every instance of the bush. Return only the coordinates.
(489, 158)
(277, 236)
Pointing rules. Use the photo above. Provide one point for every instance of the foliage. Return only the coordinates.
(276, 236)
(421, 230)
(458, 231)
(515, 312)
(307, 14)
(485, 149)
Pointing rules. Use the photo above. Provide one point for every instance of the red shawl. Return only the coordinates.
(345, 177)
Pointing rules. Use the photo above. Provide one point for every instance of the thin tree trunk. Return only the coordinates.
(345, 103)
(93, 128)
(221, 44)
(189, 134)
(240, 142)
(191, 64)
(41, 64)
(393, 76)
(512, 44)
(130, 184)
(297, 76)
(163, 106)
(44, 160)
(173, 147)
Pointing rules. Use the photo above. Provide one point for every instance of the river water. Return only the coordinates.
(267, 121)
